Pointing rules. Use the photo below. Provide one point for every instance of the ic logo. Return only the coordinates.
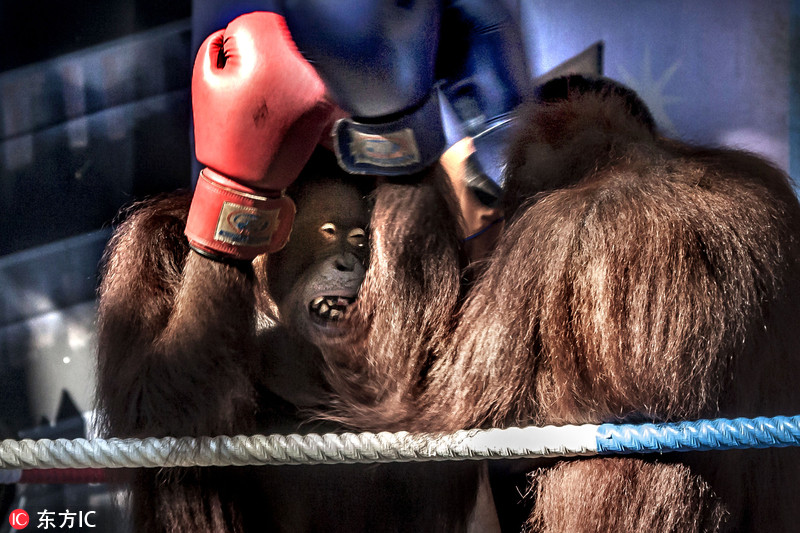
(19, 519)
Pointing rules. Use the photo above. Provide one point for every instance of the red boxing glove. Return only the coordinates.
(259, 111)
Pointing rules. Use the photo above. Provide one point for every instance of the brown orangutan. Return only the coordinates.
(190, 346)
(638, 279)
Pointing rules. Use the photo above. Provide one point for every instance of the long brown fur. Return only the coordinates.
(639, 279)
(404, 314)
(175, 338)
(657, 497)
(180, 354)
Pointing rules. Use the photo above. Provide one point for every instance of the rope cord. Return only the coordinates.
(549, 441)
(701, 435)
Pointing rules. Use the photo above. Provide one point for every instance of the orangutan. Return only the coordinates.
(192, 346)
(638, 279)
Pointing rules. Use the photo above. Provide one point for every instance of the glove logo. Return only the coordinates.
(395, 149)
(246, 226)
(248, 222)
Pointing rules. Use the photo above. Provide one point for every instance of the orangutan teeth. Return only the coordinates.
(330, 307)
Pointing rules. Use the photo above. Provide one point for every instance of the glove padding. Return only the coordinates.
(259, 111)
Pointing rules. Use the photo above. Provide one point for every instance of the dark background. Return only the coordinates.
(37, 30)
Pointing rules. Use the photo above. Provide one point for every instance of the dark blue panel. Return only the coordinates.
(120, 72)
(47, 278)
(74, 177)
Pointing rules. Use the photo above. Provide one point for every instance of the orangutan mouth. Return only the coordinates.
(330, 308)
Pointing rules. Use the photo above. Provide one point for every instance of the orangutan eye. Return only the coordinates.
(328, 230)
(357, 237)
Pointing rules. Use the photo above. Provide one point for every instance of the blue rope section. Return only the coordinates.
(699, 435)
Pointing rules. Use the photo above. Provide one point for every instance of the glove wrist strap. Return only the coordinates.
(405, 145)
(230, 220)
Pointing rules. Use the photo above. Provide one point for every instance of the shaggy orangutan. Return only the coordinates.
(190, 346)
(638, 279)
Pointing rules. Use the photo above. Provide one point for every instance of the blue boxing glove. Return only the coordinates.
(485, 75)
(377, 59)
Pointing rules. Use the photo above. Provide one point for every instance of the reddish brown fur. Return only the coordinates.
(568, 499)
(155, 360)
(404, 313)
(180, 355)
(154, 315)
(638, 279)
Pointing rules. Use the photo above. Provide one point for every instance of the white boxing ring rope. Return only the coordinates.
(475, 444)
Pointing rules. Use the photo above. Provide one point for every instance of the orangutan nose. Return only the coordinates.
(346, 262)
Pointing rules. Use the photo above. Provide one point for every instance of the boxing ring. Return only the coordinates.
(19, 456)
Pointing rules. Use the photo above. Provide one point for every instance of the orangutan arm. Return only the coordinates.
(175, 334)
